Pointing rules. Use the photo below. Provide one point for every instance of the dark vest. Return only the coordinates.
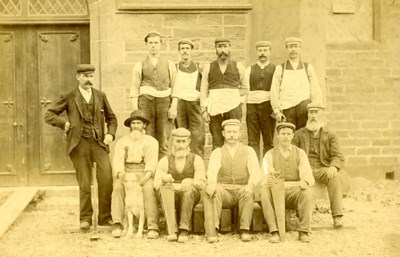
(155, 76)
(261, 79)
(88, 116)
(193, 67)
(234, 170)
(229, 79)
(188, 169)
(289, 167)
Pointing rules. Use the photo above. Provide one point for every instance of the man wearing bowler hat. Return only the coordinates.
(259, 110)
(294, 85)
(87, 141)
(187, 90)
(222, 88)
(152, 82)
(322, 148)
(289, 163)
(135, 152)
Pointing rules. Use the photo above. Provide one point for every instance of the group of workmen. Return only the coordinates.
(285, 98)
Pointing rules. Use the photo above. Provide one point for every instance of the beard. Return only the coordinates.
(136, 134)
(314, 125)
(180, 152)
(223, 56)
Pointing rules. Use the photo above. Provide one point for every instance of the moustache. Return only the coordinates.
(88, 83)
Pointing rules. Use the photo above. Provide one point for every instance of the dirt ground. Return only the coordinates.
(372, 216)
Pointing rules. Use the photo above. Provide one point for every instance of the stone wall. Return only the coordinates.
(363, 93)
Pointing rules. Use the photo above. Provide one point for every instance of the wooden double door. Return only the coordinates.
(37, 64)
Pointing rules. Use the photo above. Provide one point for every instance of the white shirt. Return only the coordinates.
(87, 94)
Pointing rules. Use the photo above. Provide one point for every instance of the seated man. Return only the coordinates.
(138, 153)
(180, 177)
(233, 172)
(323, 151)
(288, 162)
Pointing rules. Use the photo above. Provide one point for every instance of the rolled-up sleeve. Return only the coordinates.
(244, 87)
(315, 89)
(213, 166)
(162, 169)
(305, 171)
(199, 173)
(136, 80)
(253, 166)
(151, 156)
(275, 88)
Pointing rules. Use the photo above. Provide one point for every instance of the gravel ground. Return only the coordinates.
(372, 216)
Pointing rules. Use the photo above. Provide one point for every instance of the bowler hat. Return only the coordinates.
(83, 68)
(136, 115)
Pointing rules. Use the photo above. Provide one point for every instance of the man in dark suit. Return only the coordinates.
(326, 159)
(87, 142)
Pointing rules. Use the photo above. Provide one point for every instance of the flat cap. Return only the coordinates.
(221, 40)
(282, 125)
(85, 68)
(263, 43)
(180, 132)
(315, 105)
(136, 115)
(231, 122)
(293, 40)
(152, 34)
(186, 41)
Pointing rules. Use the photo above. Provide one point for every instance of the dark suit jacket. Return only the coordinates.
(71, 102)
(330, 153)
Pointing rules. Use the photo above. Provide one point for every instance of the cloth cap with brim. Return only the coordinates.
(263, 43)
(315, 106)
(186, 41)
(180, 132)
(222, 40)
(85, 68)
(293, 40)
(136, 115)
(152, 34)
(231, 122)
(282, 125)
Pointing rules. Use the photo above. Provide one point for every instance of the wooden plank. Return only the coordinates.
(14, 205)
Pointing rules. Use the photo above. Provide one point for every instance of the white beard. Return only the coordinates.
(314, 125)
(181, 152)
(136, 134)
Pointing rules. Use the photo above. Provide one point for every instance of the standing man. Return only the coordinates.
(259, 110)
(290, 163)
(187, 90)
(322, 148)
(87, 141)
(233, 172)
(135, 152)
(294, 85)
(152, 82)
(180, 177)
(222, 87)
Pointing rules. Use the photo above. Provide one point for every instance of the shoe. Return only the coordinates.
(107, 223)
(245, 236)
(338, 222)
(117, 231)
(183, 236)
(171, 238)
(85, 226)
(304, 237)
(152, 234)
(212, 239)
(274, 239)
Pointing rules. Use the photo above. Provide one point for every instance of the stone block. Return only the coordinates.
(319, 191)
(391, 160)
(391, 150)
(366, 133)
(226, 221)
(196, 32)
(368, 151)
(210, 19)
(354, 142)
(235, 19)
(235, 32)
(180, 20)
(381, 142)
(198, 219)
(375, 125)
(355, 160)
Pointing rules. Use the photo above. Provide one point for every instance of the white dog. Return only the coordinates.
(134, 203)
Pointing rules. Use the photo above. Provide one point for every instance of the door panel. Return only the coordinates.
(58, 53)
(8, 123)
